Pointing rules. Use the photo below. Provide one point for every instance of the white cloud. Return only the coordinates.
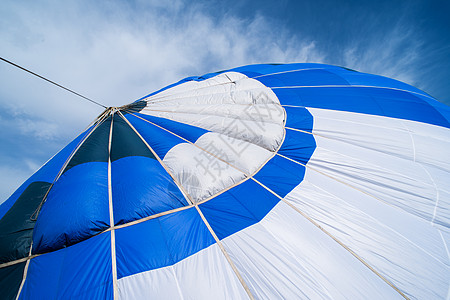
(43, 131)
(114, 53)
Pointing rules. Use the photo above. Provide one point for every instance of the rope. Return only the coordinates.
(58, 85)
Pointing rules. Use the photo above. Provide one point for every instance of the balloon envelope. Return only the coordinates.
(264, 181)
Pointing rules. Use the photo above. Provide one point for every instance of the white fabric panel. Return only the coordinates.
(286, 257)
(380, 185)
(244, 109)
(245, 156)
(378, 156)
(446, 241)
(154, 284)
(223, 95)
(407, 250)
(208, 275)
(426, 140)
(262, 133)
(382, 134)
(204, 275)
(439, 177)
(441, 213)
(201, 174)
(226, 83)
(204, 174)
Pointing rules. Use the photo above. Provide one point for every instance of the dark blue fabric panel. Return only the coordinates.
(10, 280)
(281, 175)
(125, 142)
(94, 147)
(313, 77)
(160, 242)
(299, 118)
(76, 208)
(16, 226)
(47, 173)
(238, 208)
(298, 146)
(142, 187)
(81, 271)
(159, 139)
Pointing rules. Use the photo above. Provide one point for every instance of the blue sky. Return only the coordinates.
(117, 51)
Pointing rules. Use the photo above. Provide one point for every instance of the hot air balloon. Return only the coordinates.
(287, 181)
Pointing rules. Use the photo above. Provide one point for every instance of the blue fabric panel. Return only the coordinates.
(281, 175)
(188, 132)
(161, 140)
(158, 139)
(357, 78)
(299, 118)
(142, 187)
(140, 248)
(238, 208)
(404, 105)
(160, 242)
(263, 69)
(374, 101)
(339, 98)
(313, 77)
(76, 208)
(81, 271)
(289, 96)
(47, 173)
(443, 109)
(298, 146)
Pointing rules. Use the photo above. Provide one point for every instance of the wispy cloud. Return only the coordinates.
(393, 53)
(114, 53)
